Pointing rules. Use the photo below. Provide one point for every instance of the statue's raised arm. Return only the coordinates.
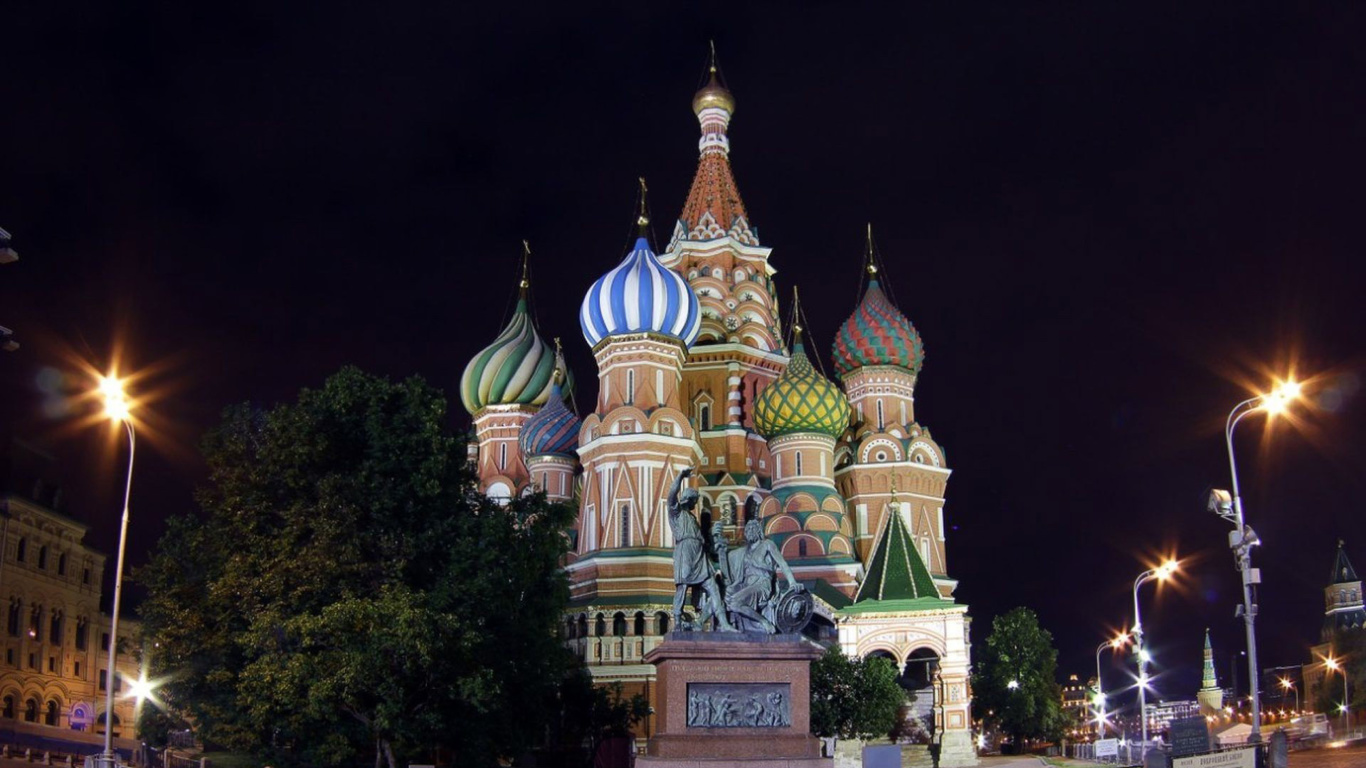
(683, 474)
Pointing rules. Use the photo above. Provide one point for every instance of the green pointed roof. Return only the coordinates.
(895, 571)
(1209, 681)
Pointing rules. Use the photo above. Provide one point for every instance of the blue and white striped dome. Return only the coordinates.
(640, 295)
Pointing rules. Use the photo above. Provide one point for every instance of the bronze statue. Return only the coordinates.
(691, 568)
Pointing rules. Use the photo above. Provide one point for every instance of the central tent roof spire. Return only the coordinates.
(714, 208)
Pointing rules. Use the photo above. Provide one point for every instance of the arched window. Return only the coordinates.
(640, 624)
(799, 462)
(619, 625)
(61, 564)
(50, 716)
(661, 623)
(21, 551)
(704, 417)
(630, 387)
(31, 711)
(16, 607)
(625, 531)
(583, 625)
(35, 623)
(503, 456)
(801, 547)
(601, 628)
(9, 708)
(42, 557)
(55, 629)
(569, 628)
(82, 633)
(880, 423)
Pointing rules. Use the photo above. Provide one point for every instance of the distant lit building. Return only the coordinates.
(55, 639)
(1076, 699)
(1161, 715)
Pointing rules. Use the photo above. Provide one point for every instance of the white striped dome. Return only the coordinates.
(640, 295)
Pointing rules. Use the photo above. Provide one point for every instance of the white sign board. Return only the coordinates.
(1234, 758)
(1107, 747)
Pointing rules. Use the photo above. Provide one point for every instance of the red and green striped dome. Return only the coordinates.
(877, 334)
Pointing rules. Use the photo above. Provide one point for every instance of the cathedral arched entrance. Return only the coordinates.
(918, 678)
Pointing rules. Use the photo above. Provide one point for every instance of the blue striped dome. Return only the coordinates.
(640, 295)
(553, 431)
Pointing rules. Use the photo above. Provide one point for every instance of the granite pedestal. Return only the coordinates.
(733, 699)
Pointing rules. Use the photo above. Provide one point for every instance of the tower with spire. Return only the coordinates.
(801, 414)
(893, 476)
(739, 348)
(1344, 617)
(1210, 695)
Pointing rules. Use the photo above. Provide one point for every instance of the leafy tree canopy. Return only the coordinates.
(1015, 683)
(344, 590)
(854, 698)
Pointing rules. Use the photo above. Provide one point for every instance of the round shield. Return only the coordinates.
(793, 611)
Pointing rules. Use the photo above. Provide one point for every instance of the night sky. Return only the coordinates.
(1108, 225)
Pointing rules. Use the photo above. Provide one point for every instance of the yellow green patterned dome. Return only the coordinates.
(801, 400)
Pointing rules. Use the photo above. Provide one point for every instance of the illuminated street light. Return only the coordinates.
(117, 409)
(1242, 539)
(1013, 684)
(1161, 573)
(1113, 645)
(1289, 686)
(1333, 664)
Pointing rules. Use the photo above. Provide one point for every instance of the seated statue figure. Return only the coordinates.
(750, 575)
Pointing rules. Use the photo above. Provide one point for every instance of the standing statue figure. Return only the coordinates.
(691, 568)
(750, 573)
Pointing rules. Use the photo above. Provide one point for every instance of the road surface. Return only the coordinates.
(1348, 757)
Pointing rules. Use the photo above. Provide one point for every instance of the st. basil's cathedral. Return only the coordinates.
(695, 370)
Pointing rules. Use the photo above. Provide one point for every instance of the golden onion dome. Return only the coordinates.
(713, 94)
(801, 400)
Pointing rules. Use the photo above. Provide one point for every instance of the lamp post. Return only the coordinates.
(1161, 573)
(1100, 687)
(1289, 686)
(116, 409)
(1242, 539)
(1333, 664)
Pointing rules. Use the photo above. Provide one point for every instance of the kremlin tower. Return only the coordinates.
(1210, 695)
(694, 372)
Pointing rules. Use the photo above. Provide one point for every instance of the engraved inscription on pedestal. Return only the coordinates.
(739, 705)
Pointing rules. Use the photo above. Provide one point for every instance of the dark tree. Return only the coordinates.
(854, 698)
(1015, 683)
(344, 590)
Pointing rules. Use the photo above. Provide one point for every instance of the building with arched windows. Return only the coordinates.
(695, 370)
(55, 637)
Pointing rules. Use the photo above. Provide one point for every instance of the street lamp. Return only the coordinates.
(1242, 539)
(1333, 664)
(116, 409)
(1115, 645)
(1289, 686)
(1161, 573)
